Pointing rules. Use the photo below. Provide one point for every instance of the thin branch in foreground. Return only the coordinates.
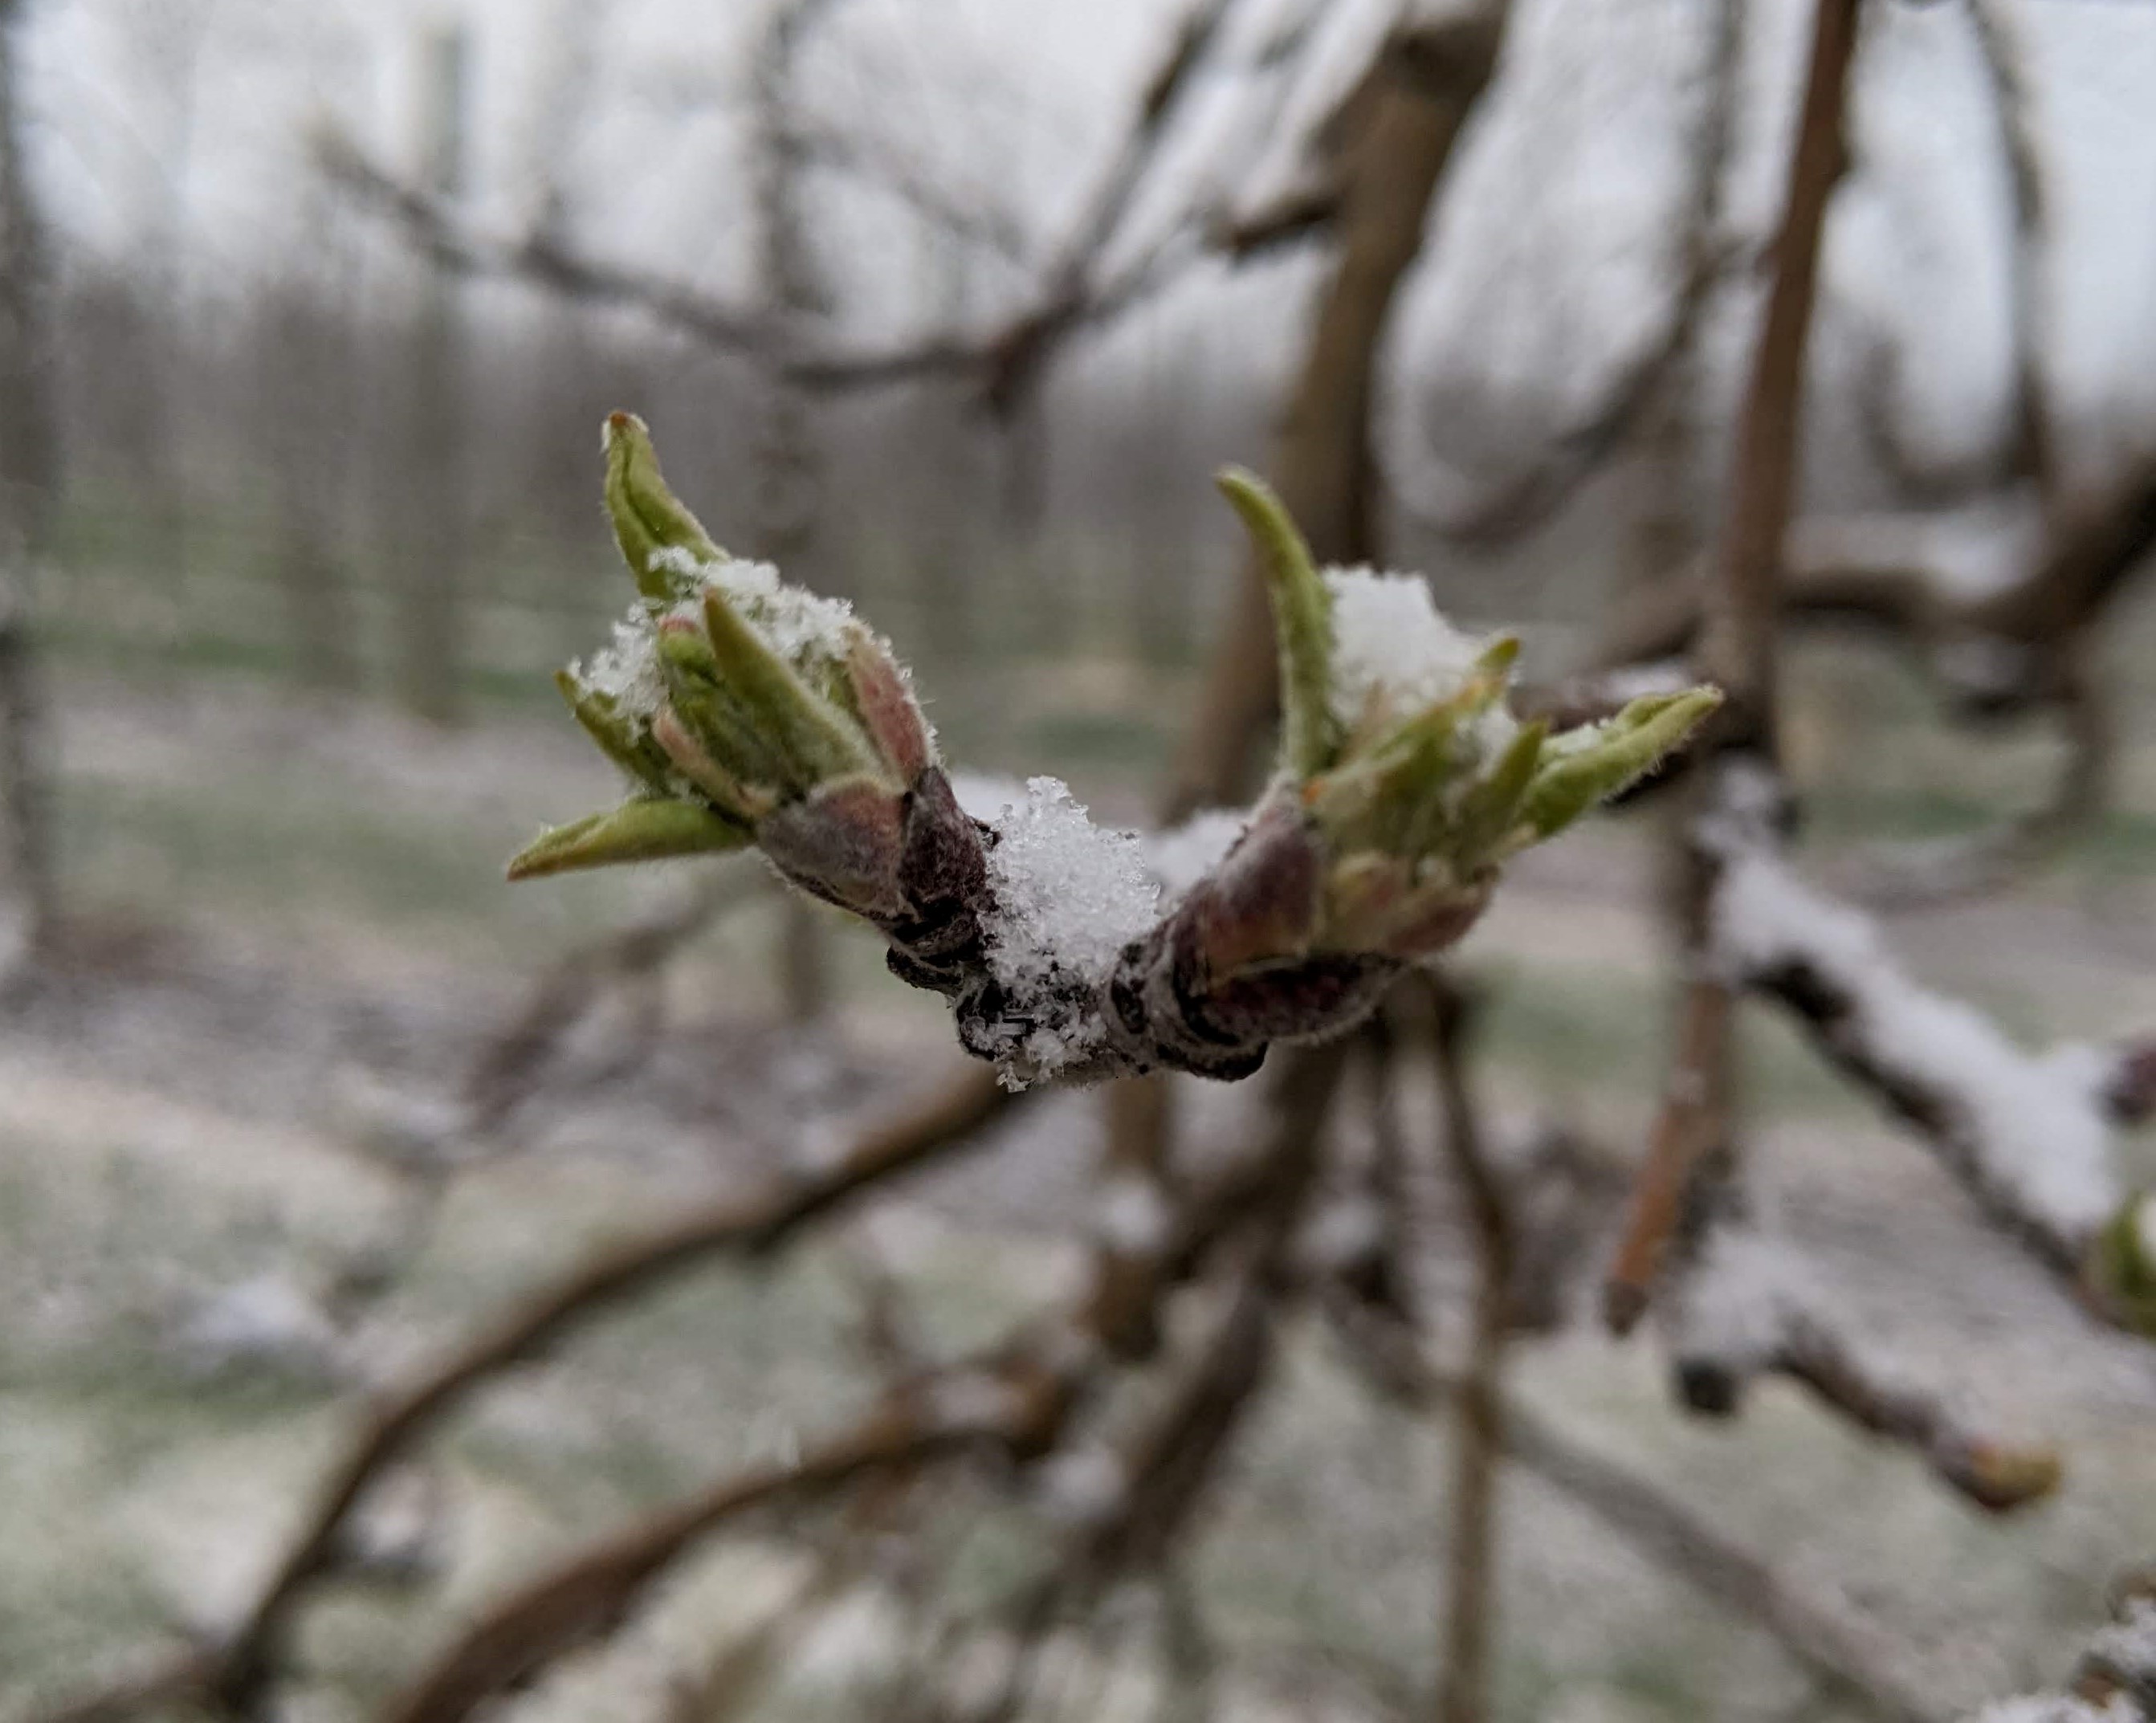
(1018, 1395)
(586, 1597)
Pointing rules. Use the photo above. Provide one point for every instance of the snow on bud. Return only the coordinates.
(734, 701)
(1400, 750)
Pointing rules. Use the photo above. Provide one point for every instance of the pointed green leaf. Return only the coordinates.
(618, 739)
(816, 740)
(1635, 741)
(648, 829)
(688, 757)
(1490, 809)
(647, 516)
(1302, 619)
(1498, 657)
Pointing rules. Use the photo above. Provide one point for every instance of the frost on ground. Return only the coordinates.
(1069, 896)
(2033, 1124)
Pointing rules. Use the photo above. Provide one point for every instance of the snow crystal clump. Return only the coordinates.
(1069, 897)
(2034, 1125)
(1179, 858)
(802, 627)
(626, 670)
(1736, 1306)
(1389, 639)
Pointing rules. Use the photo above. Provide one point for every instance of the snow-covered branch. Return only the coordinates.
(2028, 1135)
(1751, 1305)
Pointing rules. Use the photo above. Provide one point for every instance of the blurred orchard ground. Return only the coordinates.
(308, 318)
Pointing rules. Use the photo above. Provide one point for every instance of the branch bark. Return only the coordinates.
(1736, 649)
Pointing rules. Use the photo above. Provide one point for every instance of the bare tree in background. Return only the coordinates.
(28, 884)
(434, 600)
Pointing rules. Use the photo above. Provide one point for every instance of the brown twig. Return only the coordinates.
(1737, 647)
(1469, 1630)
(1487, 518)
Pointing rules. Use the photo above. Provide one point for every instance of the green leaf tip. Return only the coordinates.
(1613, 758)
(648, 518)
(1302, 618)
(647, 828)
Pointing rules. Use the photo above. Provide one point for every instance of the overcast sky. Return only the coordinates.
(184, 122)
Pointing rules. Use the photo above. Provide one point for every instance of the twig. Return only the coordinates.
(1748, 1306)
(1468, 1630)
(1737, 648)
(1490, 517)
(2027, 1135)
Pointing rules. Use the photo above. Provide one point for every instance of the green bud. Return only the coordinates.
(648, 828)
(1302, 619)
(648, 518)
(1499, 656)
